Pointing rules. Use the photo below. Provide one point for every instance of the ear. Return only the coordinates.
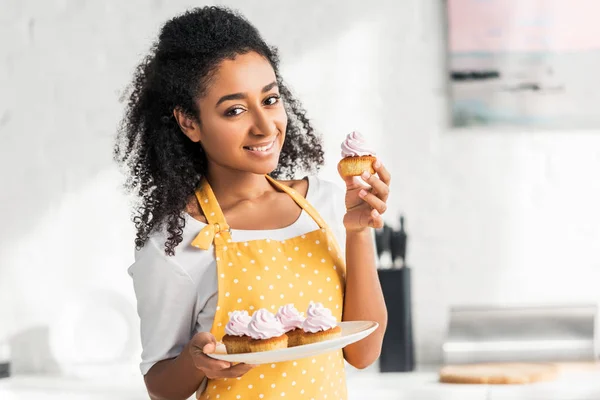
(188, 125)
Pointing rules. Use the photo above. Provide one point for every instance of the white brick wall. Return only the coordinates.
(494, 217)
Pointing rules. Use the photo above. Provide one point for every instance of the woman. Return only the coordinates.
(209, 125)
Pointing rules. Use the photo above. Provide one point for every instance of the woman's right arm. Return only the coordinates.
(174, 361)
(179, 378)
(176, 378)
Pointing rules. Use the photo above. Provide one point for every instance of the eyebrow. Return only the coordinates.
(239, 96)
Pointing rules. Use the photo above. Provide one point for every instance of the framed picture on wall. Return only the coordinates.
(524, 63)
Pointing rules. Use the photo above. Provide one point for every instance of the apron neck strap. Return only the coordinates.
(209, 204)
(217, 227)
(306, 206)
(301, 201)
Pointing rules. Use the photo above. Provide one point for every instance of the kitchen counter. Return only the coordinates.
(420, 385)
(574, 385)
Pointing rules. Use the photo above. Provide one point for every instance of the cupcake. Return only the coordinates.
(236, 337)
(319, 325)
(292, 321)
(357, 156)
(266, 331)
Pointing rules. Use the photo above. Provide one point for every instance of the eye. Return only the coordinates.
(234, 111)
(271, 100)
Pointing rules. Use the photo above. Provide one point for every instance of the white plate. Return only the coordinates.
(351, 332)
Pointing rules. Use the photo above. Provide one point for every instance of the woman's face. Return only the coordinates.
(243, 121)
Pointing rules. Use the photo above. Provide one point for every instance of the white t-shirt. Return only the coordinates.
(177, 296)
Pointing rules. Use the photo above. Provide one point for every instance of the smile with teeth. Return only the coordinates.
(262, 148)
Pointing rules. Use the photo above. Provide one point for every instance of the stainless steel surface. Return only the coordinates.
(507, 334)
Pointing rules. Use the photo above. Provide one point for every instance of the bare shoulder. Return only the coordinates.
(299, 185)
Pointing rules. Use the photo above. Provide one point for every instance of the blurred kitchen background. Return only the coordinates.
(501, 213)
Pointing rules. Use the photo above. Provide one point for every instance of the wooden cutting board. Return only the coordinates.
(510, 373)
(498, 373)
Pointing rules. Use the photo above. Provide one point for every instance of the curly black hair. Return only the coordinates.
(163, 166)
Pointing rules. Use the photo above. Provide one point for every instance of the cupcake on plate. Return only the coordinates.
(292, 320)
(357, 156)
(237, 339)
(319, 325)
(266, 332)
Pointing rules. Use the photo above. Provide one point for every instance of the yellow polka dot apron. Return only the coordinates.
(268, 274)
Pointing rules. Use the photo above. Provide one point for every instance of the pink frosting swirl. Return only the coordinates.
(356, 145)
(289, 317)
(264, 325)
(238, 323)
(318, 318)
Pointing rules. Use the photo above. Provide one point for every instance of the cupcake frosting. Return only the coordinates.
(355, 145)
(264, 325)
(318, 318)
(238, 323)
(289, 317)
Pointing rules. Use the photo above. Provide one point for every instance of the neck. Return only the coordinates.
(231, 187)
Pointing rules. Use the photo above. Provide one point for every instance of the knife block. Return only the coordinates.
(397, 353)
(4, 360)
(4, 370)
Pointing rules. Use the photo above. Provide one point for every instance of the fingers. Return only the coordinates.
(379, 186)
(383, 180)
(375, 202)
(236, 371)
(363, 218)
(383, 173)
(208, 364)
(204, 344)
(216, 369)
(368, 212)
(201, 339)
(233, 372)
(375, 220)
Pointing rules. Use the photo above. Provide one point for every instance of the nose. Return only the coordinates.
(264, 124)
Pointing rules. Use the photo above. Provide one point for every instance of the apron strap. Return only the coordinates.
(306, 206)
(301, 201)
(217, 227)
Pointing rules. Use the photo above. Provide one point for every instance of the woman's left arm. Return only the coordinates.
(363, 299)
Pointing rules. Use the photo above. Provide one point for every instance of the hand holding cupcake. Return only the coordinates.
(365, 204)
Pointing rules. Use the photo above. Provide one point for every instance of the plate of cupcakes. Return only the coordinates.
(287, 335)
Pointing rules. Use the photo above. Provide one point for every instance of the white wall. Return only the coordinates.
(494, 217)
